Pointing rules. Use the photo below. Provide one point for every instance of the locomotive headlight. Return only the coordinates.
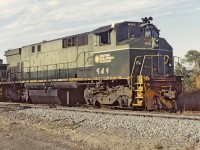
(155, 43)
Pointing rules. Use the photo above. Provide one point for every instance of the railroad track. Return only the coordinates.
(182, 116)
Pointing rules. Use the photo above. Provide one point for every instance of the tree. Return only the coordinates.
(193, 57)
(193, 77)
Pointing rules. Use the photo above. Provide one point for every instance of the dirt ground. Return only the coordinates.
(23, 130)
(18, 134)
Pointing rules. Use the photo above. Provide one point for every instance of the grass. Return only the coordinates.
(158, 146)
(51, 126)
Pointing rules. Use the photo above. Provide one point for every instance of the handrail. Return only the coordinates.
(131, 78)
(179, 62)
(64, 62)
(142, 66)
(15, 72)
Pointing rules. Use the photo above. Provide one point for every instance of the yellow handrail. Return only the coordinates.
(144, 58)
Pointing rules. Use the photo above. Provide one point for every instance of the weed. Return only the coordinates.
(158, 146)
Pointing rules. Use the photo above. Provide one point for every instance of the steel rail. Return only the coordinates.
(106, 111)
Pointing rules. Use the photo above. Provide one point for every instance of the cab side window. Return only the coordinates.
(104, 38)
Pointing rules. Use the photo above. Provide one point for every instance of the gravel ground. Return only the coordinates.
(62, 129)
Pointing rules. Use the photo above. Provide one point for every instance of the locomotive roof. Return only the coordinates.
(98, 30)
(45, 41)
(121, 24)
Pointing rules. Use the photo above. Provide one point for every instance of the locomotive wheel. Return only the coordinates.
(122, 101)
(97, 104)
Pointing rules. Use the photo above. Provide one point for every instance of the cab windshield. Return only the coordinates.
(151, 31)
(128, 31)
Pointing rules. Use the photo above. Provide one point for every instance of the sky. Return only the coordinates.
(24, 22)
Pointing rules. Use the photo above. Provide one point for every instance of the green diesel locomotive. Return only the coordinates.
(124, 64)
